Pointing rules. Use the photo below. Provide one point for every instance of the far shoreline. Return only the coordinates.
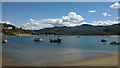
(59, 34)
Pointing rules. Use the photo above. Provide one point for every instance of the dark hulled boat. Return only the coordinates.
(55, 40)
(114, 43)
(103, 40)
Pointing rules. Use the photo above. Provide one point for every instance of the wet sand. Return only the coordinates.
(8, 60)
(102, 61)
(0, 57)
(110, 60)
(106, 61)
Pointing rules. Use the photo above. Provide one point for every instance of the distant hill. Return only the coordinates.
(84, 29)
(10, 29)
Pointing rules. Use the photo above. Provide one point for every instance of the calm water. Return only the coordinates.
(72, 48)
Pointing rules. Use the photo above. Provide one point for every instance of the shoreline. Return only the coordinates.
(105, 61)
(21, 35)
(65, 35)
(102, 61)
(24, 35)
(8, 60)
(108, 60)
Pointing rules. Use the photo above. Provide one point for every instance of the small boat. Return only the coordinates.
(103, 40)
(56, 40)
(4, 41)
(38, 40)
(115, 43)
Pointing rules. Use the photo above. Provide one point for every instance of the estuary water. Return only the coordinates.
(72, 48)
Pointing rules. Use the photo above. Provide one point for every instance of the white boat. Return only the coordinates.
(4, 41)
(38, 40)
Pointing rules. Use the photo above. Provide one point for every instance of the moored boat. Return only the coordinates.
(103, 40)
(56, 40)
(38, 40)
(4, 41)
(115, 43)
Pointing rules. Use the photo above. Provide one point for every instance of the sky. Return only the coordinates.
(59, 0)
(38, 15)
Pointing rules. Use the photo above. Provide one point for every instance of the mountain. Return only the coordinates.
(84, 29)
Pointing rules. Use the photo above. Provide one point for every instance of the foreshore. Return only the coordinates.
(110, 60)
(65, 35)
(24, 35)
(104, 61)
(21, 35)
(8, 60)
(115, 35)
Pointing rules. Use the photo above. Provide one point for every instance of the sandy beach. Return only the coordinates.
(114, 35)
(107, 61)
(24, 35)
(103, 61)
(8, 60)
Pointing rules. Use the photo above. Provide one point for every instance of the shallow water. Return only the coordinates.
(72, 48)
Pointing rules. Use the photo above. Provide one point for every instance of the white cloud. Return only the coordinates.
(115, 5)
(92, 11)
(72, 19)
(7, 22)
(32, 20)
(105, 23)
(101, 23)
(106, 14)
(85, 23)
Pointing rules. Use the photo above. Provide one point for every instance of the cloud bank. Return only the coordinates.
(7, 22)
(105, 23)
(72, 19)
(115, 5)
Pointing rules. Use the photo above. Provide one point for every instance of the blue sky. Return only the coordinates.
(20, 12)
(60, 0)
